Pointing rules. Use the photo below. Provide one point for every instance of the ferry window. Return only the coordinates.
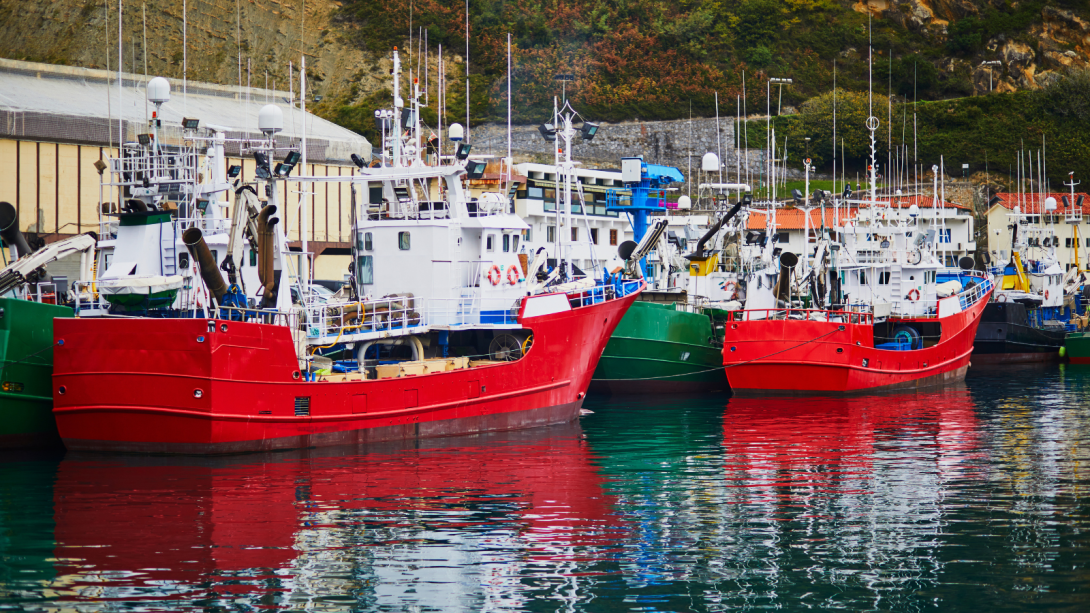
(575, 233)
(366, 269)
(515, 243)
(368, 243)
(253, 257)
(490, 244)
(506, 243)
(883, 278)
(403, 241)
(613, 238)
(551, 234)
(594, 236)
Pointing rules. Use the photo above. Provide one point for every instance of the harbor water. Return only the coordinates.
(974, 497)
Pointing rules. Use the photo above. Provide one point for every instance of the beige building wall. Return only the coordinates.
(1074, 239)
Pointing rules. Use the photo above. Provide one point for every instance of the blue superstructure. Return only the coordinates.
(644, 197)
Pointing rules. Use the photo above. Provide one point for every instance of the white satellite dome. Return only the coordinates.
(1050, 204)
(684, 203)
(913, 211)
(158, 90)
(270, 119)
(710, 162)
(456, 132)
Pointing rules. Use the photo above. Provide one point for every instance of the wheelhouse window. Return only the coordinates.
(490, 242)
(530, 235)
(575, 233)
(403, 241)
(506, 243)
(515, 243)
(368, 242)
(551, 234)
(365, 268)
(883, 278)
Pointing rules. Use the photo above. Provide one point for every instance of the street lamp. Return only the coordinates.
(989, 64)
(564, 78)
(781, 83)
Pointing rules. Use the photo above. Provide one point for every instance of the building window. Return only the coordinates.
(368, 243)
(507, 243)
(552, 234)
(613, 238)
(365, 265)
(1067, 242)
(575, 233)
(594, 236)
(403, 241)
(945, 236)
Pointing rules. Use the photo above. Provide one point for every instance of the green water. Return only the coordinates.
(972, 498)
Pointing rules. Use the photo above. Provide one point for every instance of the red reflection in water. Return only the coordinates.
(829, 444)
(183, 523)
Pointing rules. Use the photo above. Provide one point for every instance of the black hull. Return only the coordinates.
(1005, 336)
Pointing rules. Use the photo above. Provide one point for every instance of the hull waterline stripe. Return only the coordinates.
(289, 419)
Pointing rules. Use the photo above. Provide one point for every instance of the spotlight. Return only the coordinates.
(145, 139)
(234, 171)
(262, 170)
(475, 170)
(100, 166)
(548, 132)
(589, 130)
(463, 151)
(190, 124)
(358, 161)
(202, 205)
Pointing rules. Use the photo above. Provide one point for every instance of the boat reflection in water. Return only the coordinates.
(455, 522)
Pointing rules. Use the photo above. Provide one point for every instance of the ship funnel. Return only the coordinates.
(210, 273)
(9, 229)
(788, 261)
(266, 248)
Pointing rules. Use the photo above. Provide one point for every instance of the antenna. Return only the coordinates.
(467, 71)
(185, 55)
(120, 80)
(718, 140)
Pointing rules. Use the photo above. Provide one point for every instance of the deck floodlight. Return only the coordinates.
(283, 169)
(589, 129)
(747, 199)
(475, 170)
(797, 195)
(1078, 201)
(292, 158)
(190, 124)
(202, 205)
(463, 151)
(145, 139)
(262, 171)
(234, 171)
(100, 166)
(358, 161)
(548, 132)
(1067, 203)
(847, 192)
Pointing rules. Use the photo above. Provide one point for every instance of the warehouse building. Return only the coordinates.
(57, 121)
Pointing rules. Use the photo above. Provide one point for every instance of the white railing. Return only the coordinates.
(176, 167)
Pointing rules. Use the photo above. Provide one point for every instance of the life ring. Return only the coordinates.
(1003, 298)
(729, 289)
(1046, 294)
(512, 275)
(497, 277)
(913, 294)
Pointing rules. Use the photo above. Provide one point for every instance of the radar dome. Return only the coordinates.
(456, 132)
(270, 119)
(684, 203)
(1050, 204)
(710, 162)
(913, 210)
(158, 90)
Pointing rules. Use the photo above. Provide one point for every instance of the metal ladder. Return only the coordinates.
(168, 249)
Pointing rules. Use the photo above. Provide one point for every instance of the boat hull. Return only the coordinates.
(784, 356)
(203, 386)
(658, 349)
(1077, 347)
(1005, 336)
(26, 368)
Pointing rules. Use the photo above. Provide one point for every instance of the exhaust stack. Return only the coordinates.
(788, 261)
(9, 229)
(266, 247)
(210, 273)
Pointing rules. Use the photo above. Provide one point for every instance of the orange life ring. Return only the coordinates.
(913, 294)
(1046, 294)
(512, 275)
(495, 279)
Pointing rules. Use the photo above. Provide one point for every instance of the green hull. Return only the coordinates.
(26, 373)
(1077, 347)
(659, 349)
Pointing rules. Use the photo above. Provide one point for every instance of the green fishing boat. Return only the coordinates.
(26, 372)
(663, 348)
(1077, 347)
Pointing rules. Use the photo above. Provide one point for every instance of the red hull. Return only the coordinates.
(130, 385)
(807, 357)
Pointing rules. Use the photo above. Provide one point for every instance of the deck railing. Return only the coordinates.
(842, 316)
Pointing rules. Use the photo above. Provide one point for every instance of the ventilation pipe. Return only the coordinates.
(210, 273)
(788, 261)
(9, 230)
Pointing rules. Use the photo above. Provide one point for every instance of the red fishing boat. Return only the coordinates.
(844, 351)
(219, 386)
